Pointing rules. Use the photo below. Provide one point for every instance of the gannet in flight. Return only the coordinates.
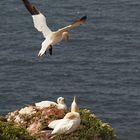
(51, 37)
(68, 124)
(60, 104)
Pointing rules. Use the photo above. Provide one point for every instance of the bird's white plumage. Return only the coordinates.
(60, 104)
(41, 25)
(65, 125)
(44, 104)
(52, 38)
(69, 123)
(54, 123)
(45, 45)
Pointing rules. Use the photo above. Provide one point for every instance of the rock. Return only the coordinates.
(31, 123)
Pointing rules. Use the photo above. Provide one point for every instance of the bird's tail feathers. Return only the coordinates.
(41, 52)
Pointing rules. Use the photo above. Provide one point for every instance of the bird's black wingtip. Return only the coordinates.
(31, 8)
(84, 18)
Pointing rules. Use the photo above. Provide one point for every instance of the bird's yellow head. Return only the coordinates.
(65, 36)
(60, 100)
(74, 107)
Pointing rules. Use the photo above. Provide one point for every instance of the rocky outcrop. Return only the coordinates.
(30, 123)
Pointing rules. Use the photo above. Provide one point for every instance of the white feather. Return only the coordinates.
(65, 126)
(69, 123)
(54, 123)
(45, 45)
(52, 38)
(44, 104)
(59, 105)
(41, 25)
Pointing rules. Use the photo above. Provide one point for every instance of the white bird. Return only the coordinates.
(68, 124)
(51, 37)
(60, 104)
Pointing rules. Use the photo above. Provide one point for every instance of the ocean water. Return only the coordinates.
(100, 64)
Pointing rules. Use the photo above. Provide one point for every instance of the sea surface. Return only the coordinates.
(100, 64)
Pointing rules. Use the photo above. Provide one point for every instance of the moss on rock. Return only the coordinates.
(11, 131)
(91, 128)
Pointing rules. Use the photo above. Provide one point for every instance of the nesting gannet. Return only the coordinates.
(68, 124)
(60, 104)
(51, 37)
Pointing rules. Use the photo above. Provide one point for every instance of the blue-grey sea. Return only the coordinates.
(100, 64)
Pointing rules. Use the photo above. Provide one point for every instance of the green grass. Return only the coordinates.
(91, 128)
(11, 131)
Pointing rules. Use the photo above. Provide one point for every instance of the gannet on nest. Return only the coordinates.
(60, 104)
(68, 124)
(51, 38)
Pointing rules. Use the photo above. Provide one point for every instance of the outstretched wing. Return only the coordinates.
(74, 24)
(39, 19)
(41, 25)
(45, 45)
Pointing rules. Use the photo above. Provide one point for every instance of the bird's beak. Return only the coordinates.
(74, 99)
(62, 100)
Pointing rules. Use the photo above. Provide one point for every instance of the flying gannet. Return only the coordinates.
(68, 124)
(51, 37)
(60, 104)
